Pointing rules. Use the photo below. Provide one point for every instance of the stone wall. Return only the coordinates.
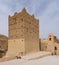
(50, 44)
(23, 33)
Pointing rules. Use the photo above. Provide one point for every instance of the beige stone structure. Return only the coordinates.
(3, 45)
(50, 44)
(23, 34)
(43, 44)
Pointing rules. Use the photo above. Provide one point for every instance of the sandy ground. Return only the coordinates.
(39, 58)
(36, 55)
(48, 60)
(27, 57)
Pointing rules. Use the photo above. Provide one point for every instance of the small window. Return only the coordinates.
(55, 48)
(50, 39)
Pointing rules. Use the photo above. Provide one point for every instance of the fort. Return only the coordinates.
(23, 37)
(23, 34)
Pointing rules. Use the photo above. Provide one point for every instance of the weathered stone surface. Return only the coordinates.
(23, 34)
(50, 44)
(3, 45)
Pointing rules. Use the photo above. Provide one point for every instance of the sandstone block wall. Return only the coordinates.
(23, 33)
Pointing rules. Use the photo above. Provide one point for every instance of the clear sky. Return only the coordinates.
(47, 11)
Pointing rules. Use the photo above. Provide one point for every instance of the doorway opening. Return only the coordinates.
(55, 48)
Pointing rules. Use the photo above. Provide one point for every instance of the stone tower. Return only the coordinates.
(23, 34)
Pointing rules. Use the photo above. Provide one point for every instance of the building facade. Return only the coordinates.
(50, 44)
(23, 34)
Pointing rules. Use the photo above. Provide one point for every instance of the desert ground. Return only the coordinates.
(40, 58)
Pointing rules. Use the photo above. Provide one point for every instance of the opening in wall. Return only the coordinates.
(50, 39)
(55, 48)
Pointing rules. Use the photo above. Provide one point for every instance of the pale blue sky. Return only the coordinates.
(47, 11)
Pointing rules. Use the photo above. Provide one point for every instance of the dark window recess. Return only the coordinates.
(55, 48)
(50, 39)
(2, 51)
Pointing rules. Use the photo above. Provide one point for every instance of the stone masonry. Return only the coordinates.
(23, 34)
